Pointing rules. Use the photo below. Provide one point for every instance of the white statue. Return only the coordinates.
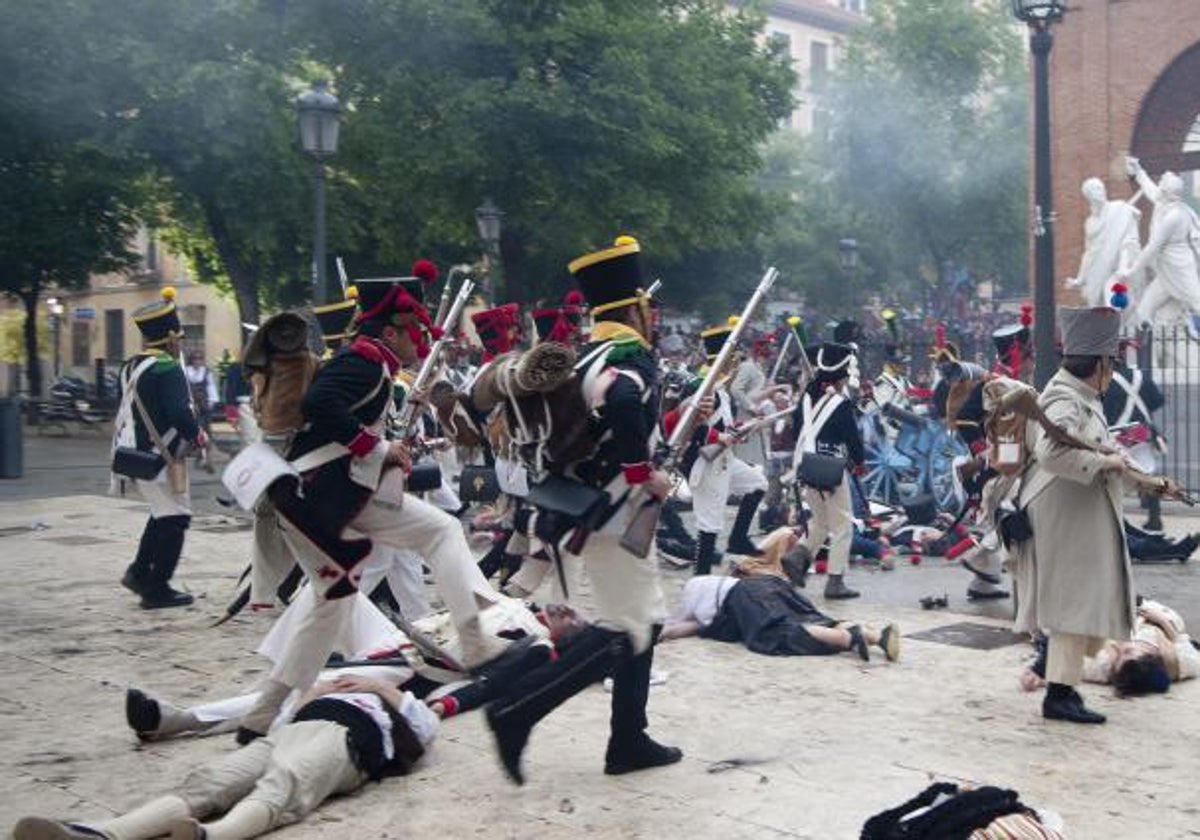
(1110, 247)
(1172, 251)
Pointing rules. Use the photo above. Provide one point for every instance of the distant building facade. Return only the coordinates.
(97, 324)
(811, 31)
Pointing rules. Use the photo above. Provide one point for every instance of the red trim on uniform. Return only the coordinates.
(362, 443)
(637, 473)
(670, 421)
(449, 706)
(374, 350)
(714, 436)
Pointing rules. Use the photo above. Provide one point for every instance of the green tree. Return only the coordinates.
(928, 135)
(209, 90)
(66, 200)
(581, 118)
(64, 214)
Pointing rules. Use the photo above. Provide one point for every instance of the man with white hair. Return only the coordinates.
(1171, 250)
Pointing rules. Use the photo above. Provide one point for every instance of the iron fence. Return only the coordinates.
(1170, 356)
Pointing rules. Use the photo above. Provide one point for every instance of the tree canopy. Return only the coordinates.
(928, 136)
(581, 119)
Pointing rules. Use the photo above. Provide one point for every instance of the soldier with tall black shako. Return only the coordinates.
(1129, 406)
(826, 425)
(336, 320)
(350, 492)
(619, 383)
(156, 416)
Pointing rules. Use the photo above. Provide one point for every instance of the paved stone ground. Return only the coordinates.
(835, 741)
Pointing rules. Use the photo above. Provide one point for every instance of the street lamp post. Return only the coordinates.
(488, 220)
(320, 119)
(56, 312)
(1040, 15)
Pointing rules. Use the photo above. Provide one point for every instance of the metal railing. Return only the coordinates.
(1170, 356)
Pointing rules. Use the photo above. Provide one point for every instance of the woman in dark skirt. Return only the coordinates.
(764, 611)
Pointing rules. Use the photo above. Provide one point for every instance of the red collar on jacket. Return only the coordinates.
(374, 350)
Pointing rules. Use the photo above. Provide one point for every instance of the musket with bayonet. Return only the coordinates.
(783, 351)
(342, 277)
(411, 408)
(738, 434)
(639, 536)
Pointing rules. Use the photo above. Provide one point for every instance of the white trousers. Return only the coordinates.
(626, 589)
(271, 559)
(416, 525)
(402, 570)
(831, 517)
(291, 771)
(713, 482)
(163, 499)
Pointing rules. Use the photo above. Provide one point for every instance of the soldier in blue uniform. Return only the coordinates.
(619, 382)
(350, 492)
(157, 409)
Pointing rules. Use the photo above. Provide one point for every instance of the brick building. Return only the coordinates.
(1125, 79)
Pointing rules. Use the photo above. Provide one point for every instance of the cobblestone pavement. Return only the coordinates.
(826, 742)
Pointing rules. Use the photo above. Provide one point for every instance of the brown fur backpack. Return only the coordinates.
(280, 367)
(548, 419)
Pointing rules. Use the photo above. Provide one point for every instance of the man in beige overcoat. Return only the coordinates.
(1074, 579)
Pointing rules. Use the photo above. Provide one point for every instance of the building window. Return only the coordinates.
(780, 43)
(818, 64)
(114, 336)
(81, 343)
(856, 6)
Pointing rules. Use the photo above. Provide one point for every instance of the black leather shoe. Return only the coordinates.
(1069, 707)
(132, 582)
(643, 754)
(837, 590)
(987, 595)
(510, 742)
(142, 713)
(165, 599)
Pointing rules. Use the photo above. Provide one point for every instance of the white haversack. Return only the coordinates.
(254, 470)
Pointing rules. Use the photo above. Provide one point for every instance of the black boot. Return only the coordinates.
(492, 562)
(629, 747)
(739, 537)
(158, 593)
(587, 660)
(1062, 702)
(837, 590)
(139, 571)
(706, 550)
(1154, 513)
(670, 526)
